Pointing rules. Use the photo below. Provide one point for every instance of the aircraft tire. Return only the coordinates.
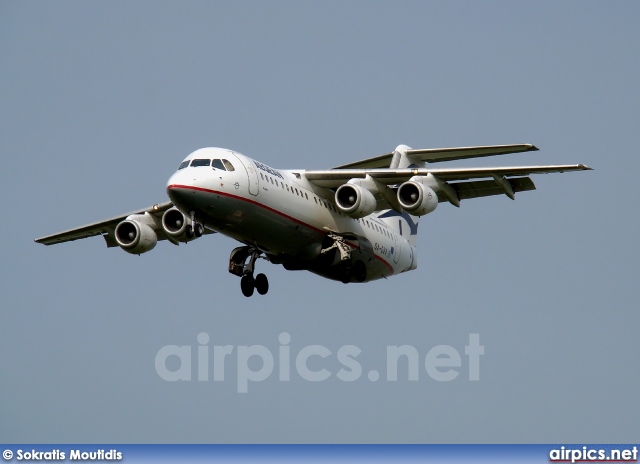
(360, 271)
(247, 285)
(346, 273)
(198, 230)
(262, 284)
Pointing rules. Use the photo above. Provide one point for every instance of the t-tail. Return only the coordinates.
(412, 198)
(403, 223)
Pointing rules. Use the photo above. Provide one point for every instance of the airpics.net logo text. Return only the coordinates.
(257, 363)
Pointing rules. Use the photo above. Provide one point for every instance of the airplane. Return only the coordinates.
(357, 222)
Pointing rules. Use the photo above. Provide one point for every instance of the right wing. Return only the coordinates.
(105, 227)
(453, 184)
(333, 178)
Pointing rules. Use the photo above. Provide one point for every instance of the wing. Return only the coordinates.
(334, 178)
(436, 155)
(453, 184)
(105, 227)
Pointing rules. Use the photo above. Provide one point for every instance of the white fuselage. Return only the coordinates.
(284, 215)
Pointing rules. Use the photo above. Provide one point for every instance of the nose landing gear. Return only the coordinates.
(248, 284)
(242, 263)
(195, 228)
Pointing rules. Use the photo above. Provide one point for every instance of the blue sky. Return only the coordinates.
(99, 103)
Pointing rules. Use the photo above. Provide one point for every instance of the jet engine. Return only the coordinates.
(135, 237)
(355, 201)
(416, 198)
(177, 226)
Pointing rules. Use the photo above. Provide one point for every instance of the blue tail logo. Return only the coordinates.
(413, 224)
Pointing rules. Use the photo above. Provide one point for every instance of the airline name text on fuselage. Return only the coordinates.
(268, 170)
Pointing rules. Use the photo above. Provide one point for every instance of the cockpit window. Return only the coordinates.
(218, 164)
(184, 164)
(228, 165)
(200, 162)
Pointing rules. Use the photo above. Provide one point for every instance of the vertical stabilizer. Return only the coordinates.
(403, 223)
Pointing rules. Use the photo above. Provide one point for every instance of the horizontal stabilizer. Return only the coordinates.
(437, 155)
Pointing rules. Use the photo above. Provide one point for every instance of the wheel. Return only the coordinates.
(262, 284)
(345, 273)
(198, 230)
(247, 285)
(189, 232)
(359, 271)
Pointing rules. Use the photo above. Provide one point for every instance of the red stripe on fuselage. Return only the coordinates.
(268, 208)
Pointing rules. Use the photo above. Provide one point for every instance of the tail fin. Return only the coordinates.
(403, 223)
(401, 159)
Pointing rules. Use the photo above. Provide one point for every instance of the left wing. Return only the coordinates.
(105, 227)
(334, 178)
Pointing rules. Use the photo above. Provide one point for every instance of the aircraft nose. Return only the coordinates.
(175, 179)
(177, 186)
(184, 177)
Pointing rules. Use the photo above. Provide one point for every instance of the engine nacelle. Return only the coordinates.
(355, 201)
(417, 198)
(176, 225)
(135, 237)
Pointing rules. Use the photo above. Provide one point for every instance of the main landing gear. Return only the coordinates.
(345, 269)
(242, 263)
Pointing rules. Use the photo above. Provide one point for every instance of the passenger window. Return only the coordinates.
(200, 162)
(228, 165)
(218, 164)
(261, 176)
(184, 164)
